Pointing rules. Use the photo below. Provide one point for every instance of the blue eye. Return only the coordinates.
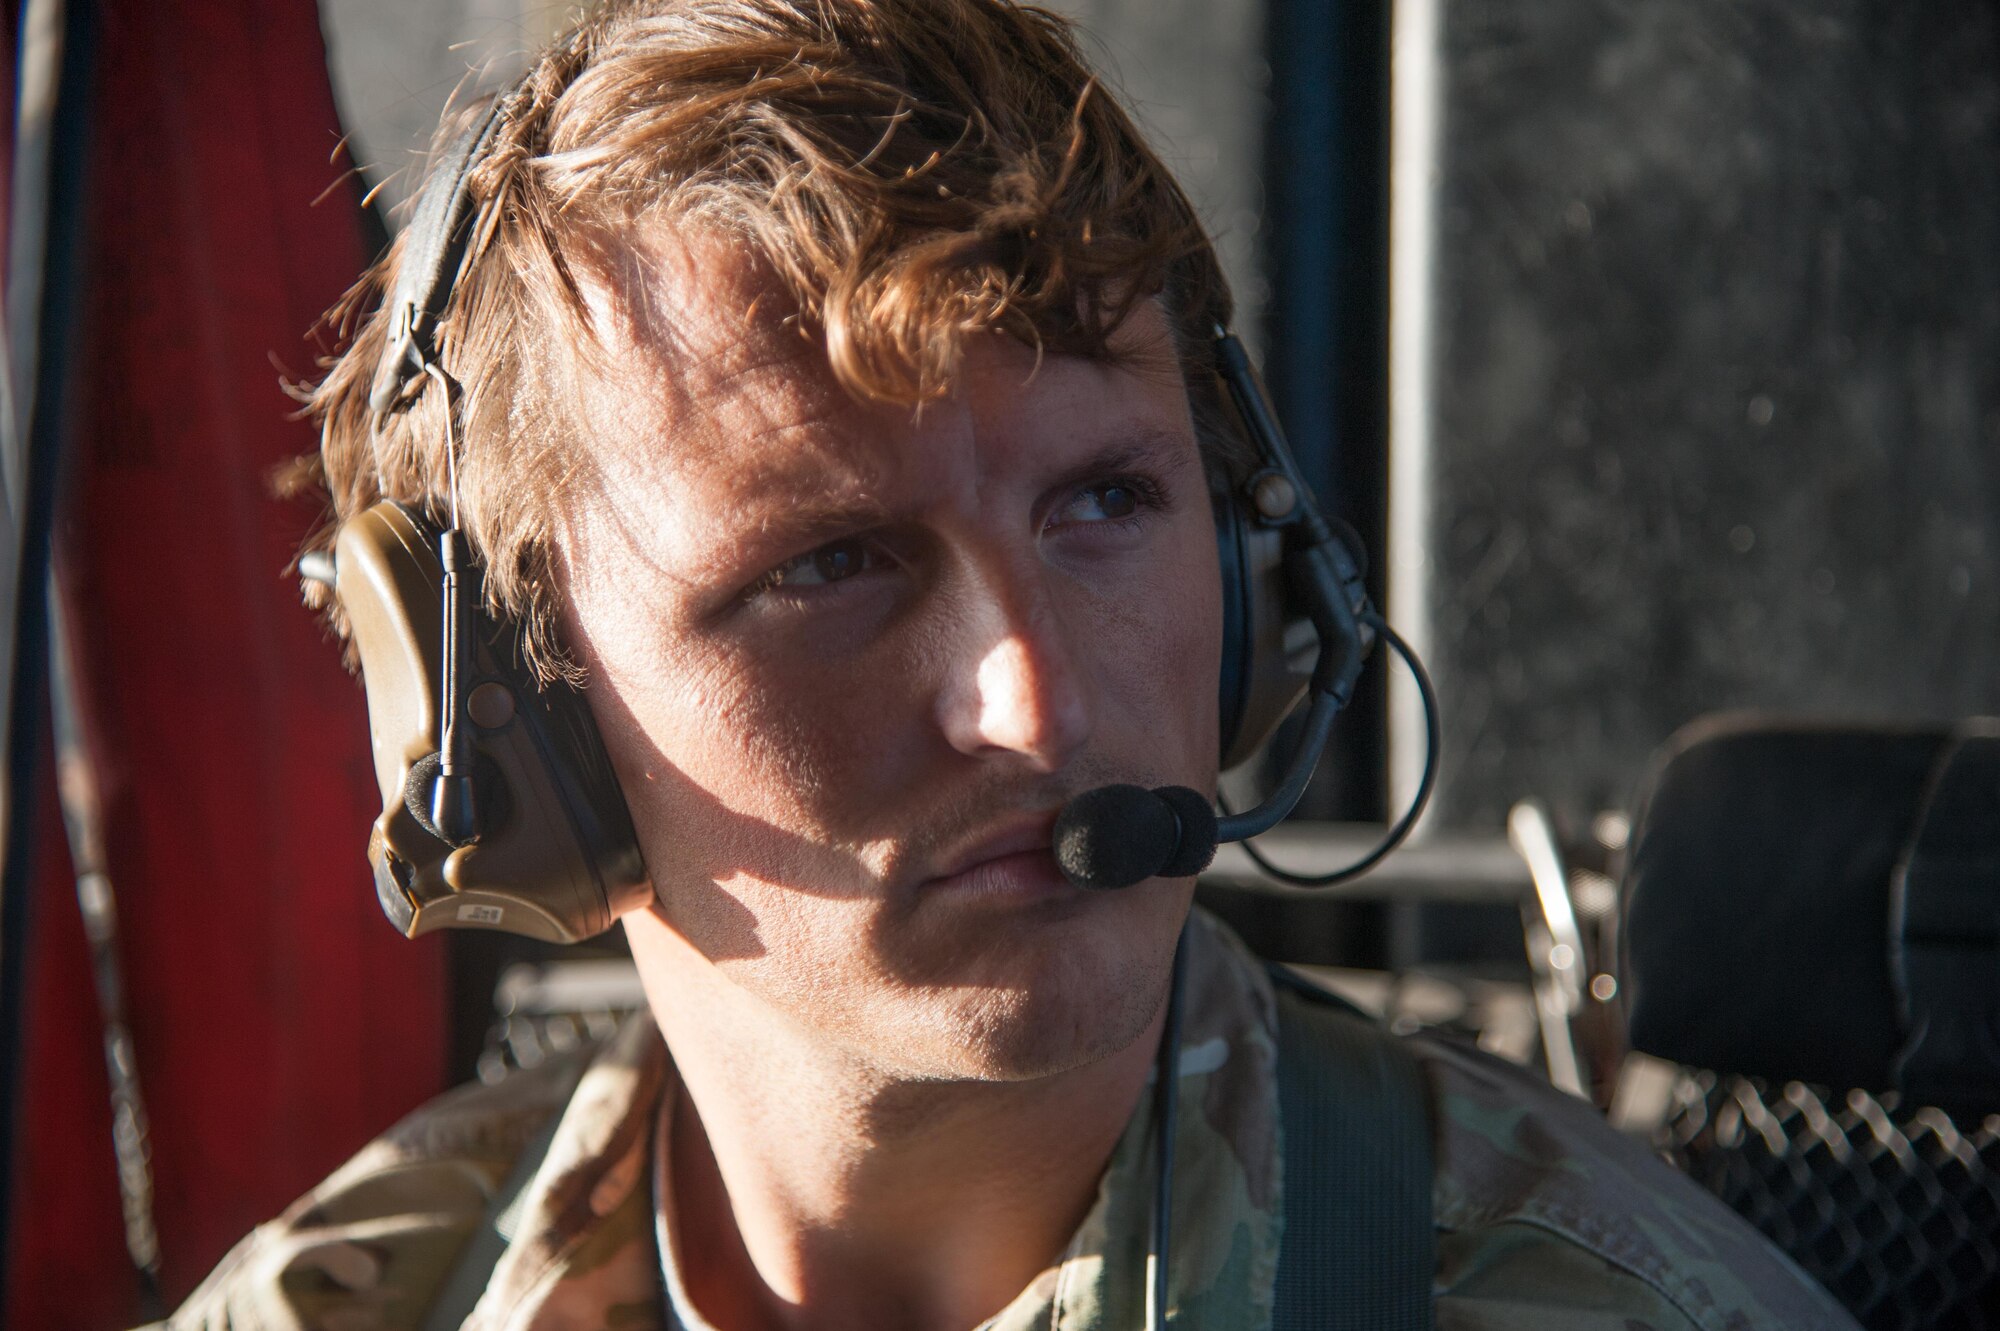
(1108, 501)
(1116, 501)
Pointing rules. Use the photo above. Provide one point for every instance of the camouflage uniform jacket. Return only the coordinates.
(1546, 1219)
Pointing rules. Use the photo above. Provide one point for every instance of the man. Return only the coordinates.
(837, 402)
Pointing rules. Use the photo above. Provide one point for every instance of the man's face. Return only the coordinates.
(849, 662)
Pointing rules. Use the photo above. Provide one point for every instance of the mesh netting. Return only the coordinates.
(1896, 1211)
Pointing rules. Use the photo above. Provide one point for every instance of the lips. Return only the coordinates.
(1014, 859)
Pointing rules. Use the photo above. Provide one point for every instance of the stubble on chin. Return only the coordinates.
(1058, 1001)
(924, 990)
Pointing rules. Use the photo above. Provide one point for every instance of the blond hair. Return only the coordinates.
(912, 171)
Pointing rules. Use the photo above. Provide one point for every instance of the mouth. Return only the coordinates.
(1013, 862)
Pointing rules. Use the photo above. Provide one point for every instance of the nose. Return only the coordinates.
(1016, 685)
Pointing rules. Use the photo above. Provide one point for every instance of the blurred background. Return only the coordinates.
(1652, 348)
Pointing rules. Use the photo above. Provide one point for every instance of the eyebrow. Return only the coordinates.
(773, 529)
(1139, 449)
(813, 521)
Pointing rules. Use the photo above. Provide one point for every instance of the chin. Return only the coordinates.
(1047, 993)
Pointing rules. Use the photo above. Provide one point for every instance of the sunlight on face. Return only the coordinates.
(849, 661)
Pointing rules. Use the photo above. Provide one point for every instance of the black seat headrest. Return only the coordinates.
(1763, 912)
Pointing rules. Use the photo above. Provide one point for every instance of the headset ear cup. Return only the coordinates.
(1234, 682)
(556, 858)
(1268, 645)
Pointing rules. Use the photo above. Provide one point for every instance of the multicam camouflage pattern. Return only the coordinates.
(1546, 1219)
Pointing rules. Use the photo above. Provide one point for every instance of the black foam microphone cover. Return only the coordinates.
(1195, 848)
(1115, 836)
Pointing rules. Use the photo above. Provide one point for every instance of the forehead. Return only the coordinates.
(705, 387)
(697, 345)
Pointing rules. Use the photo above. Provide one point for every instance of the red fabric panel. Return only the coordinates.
(279, 1021)
(70, 1266)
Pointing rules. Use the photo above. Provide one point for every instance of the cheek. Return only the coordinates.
(823, 736)
(722, 795)
(1195, 657)
(762, 765)
(752, 791)
(1159, 653)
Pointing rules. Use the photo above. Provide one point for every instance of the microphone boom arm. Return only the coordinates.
(1329, 579)
(1278, 805)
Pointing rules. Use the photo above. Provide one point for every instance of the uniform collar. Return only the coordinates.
(593, 1248)
(580, 1248)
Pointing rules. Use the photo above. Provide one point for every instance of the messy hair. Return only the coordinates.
(912, 172)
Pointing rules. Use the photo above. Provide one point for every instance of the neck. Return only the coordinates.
(813, 1188)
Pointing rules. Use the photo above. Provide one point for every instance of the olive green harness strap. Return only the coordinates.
(1359, 1251)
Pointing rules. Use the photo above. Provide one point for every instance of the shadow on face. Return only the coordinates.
(849, 660)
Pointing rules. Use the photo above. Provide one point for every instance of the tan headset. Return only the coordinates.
(499, 806)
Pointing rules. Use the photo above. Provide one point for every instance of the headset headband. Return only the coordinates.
(439, 229)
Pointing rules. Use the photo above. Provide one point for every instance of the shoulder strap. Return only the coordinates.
(1359, 1251)
(467, 1281)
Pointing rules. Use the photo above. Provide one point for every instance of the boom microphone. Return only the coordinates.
(1115, 836)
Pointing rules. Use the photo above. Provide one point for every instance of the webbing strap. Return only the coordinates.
(1358, 1252)
(483, 1251)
